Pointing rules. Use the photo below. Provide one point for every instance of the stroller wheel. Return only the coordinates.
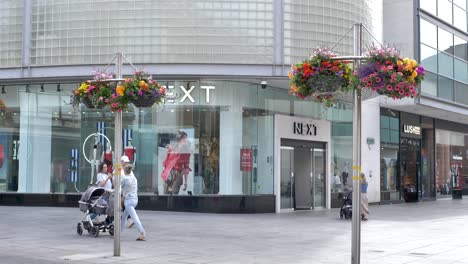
(94, 231)
(79, 230)
(111, 230)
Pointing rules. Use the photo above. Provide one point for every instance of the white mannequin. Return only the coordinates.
(130, 152)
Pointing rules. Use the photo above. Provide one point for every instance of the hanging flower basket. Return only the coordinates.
(386, 73)
(95, 93)
(141, 90)
(88, 103)
(144, 101)
(320, 77)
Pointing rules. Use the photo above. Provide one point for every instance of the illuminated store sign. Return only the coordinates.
(415, 130)
(187, 91)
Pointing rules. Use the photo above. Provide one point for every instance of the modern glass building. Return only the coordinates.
(253, 147)
(432, 163)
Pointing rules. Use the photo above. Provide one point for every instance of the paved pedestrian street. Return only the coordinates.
(425, 233)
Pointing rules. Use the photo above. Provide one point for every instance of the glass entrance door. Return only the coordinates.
(287, 177)
(318, 177)
(303, 173)
(409, 169)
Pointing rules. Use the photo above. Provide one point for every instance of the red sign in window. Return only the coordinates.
(246, 160)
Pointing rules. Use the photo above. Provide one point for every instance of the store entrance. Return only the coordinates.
(302, 174)
(410, 155)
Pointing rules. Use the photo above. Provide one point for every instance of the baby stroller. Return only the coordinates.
(347, 207)
(95, 201)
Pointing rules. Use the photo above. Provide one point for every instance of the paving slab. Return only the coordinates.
(426, 232)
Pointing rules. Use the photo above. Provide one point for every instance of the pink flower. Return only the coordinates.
(107, 101)
(407, 94)
(378, 79)
(101, 99)
(364, 79)
(389, 87)
(401, 92)
(369, 84)
(411, 88)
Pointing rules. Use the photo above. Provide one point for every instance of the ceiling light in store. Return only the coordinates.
(69, 113)
(172, 110)
(188, 110)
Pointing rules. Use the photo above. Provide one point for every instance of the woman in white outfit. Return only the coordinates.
(130, 196)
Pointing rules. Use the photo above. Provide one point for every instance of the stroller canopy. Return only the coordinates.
(92, 191)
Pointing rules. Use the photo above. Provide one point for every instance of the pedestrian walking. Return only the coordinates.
(364, 201)
(130, 197)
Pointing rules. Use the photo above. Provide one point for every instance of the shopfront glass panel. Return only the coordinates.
(427, 158)
(389, 165)
(223, 120)
(10, 112)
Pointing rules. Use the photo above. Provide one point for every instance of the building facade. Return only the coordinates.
(422, 141)
(213, 56)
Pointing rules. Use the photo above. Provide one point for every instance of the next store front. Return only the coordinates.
(250, 149)
(421, 158)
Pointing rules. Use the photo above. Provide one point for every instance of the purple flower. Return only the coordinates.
(140, 93)
(366, 70)
(130, 93)
(420, 70)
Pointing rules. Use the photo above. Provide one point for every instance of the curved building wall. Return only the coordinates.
(11, 21)
(185, 32)
(312, 24)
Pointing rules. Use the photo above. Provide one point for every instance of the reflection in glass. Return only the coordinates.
(445, 64)
(429, 5)
(429, 58)
(461, 48)
(461, 93)
(445, 87)
(428, 33)
(459, 18)
(429, 84)
(461, 71)
(445, 41)
(444, 10)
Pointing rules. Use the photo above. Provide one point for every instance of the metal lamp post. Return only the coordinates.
(357, 100)
(118, 154)
(119, 57)
(356, 223)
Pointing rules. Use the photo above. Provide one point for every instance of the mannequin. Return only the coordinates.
(130, 152)
(107, 158)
